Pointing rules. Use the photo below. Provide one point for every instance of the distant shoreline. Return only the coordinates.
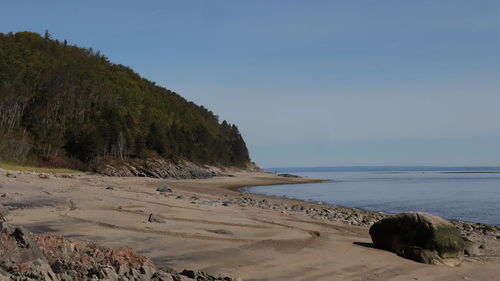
(472, 172)
(385, 169)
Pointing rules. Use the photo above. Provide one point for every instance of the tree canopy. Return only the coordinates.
(71, 104)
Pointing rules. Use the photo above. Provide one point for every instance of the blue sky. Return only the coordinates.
(310, 83)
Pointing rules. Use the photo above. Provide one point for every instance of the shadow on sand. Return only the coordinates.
(364, 244)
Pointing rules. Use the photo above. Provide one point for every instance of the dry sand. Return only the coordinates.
(239, 241)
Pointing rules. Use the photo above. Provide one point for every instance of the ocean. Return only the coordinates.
(469, 194)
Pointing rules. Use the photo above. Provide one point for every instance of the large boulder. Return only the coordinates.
(420, 237)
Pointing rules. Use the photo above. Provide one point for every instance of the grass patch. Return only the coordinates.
(21, 168)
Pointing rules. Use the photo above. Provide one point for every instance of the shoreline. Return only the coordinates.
(210, 225)
(321, 203)
(458, 223)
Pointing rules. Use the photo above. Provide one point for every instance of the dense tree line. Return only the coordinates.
(64, 102)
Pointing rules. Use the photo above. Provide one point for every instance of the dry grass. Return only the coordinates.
(17, 167)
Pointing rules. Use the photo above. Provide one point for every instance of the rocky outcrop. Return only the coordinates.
(29, 257)
(420, 237)
(156, 167)
(20, 254)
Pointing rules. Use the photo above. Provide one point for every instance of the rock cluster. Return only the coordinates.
(47, 257)
(420, 237)
(347, 215)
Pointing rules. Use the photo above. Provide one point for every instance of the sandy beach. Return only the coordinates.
(209, 225)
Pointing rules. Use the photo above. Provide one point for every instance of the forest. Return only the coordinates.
(62, 105)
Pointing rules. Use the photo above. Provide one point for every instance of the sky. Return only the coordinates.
(310, 83)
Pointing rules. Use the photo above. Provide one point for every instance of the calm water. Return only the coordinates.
(473, 197)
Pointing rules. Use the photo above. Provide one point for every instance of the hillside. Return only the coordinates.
(62, 105)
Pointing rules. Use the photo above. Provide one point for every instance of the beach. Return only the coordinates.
(209, 225)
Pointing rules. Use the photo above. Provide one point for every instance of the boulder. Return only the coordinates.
(420, 237)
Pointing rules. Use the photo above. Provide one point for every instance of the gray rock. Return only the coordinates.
(72, 205)
(420, 237)
(162, 276)
(108, 273)
(147, 271)
(155, 218)
(164, 189)
(206, 203)
(471, 249)
(44, 176)
(221, 231)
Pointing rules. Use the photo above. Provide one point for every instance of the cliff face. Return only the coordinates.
(157, 167)
(66, 106)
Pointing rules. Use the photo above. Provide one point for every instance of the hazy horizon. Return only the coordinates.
(316, 83)
(382, 166)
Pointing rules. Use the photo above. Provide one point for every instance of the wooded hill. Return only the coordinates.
(68, 106)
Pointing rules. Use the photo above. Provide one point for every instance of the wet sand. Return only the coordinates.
(199, 232)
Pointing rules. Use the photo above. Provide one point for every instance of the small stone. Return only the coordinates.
(110, 188)
(155, 218)
(72, 205)
(164, 189)
(221, 231)
(44, 176)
